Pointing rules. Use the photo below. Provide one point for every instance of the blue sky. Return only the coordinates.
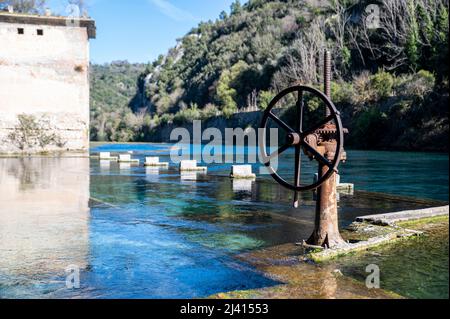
(140, 30)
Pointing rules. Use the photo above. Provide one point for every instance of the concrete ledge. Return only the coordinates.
(391, 219)
(394, 235)
(381, 229)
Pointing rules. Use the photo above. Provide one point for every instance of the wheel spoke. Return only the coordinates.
(300, 108)
(298, 165)
(298, 172)
(317, 155)
(281, 123)
(318, 126)
(298, 149)
(280, 151)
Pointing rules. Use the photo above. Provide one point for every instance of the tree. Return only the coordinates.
(236, 7)
(223, 15)
(412, 39)
(24, 6)
(226, 88)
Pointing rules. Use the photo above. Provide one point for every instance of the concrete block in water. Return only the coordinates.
(106, 156)
(154, 161)
(242, 172)
(191, 166)
(126, 158)
(344, 188)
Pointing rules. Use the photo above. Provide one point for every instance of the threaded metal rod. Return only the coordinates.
(327, 76)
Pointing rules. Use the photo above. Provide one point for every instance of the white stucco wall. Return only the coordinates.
(45, 76)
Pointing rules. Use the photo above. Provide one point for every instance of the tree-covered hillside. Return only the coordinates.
(115, 101)
(390, 78)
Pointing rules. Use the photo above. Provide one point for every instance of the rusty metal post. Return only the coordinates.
(326, 232)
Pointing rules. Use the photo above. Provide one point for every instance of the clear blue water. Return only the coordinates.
(418, 175)
(137, 232)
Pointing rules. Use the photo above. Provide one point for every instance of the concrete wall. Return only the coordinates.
(47, 76)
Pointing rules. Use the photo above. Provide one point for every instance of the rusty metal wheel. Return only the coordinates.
(297, 138)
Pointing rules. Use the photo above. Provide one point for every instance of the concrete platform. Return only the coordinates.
(391, 219)
(381, 229)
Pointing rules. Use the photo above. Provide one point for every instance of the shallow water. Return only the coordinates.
(138, 232)
(418, 175)
(417, 268)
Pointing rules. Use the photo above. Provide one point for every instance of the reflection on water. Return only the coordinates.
(44, 223)
(148, 232)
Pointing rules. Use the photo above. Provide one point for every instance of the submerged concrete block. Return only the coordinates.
(191, 166)
(242, 172)
(344, 188)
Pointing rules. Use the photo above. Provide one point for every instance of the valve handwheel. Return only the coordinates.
(297, 138)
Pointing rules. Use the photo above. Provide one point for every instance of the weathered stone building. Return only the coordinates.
(44, 83)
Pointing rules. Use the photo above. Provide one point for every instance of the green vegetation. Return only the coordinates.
(24, 6)
(115, 103)
(32, 132)
(391, 82)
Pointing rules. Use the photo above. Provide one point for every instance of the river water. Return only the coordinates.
(135, 232)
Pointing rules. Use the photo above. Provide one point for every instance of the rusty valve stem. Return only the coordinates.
(327, 77)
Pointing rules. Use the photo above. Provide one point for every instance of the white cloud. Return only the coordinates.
(172, 11)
